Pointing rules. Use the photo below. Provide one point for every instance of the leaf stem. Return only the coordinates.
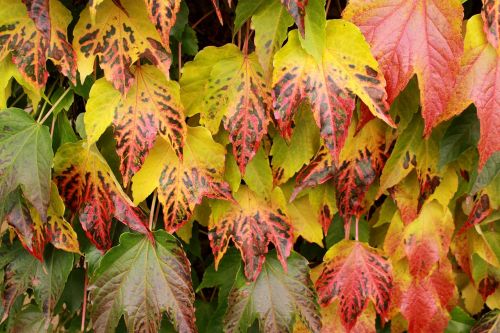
(46, 100)
(357, 230)
(84, 309)
(202, 18)
(55, 105)
(179, 58)
(152, 210)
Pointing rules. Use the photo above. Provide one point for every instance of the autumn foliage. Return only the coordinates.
(250, 165)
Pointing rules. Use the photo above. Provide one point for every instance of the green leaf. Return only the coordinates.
(142, 281)
(29, 320)
(315, 24)
(258, 175)
(461, 135)
(275, 298)
(25, 158)
(245, 9)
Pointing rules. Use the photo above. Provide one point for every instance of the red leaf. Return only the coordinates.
(480, 211)
(487, 287)
(89, 188)
(252, 225)
(297, 8)
(355, 273)
(407, 37)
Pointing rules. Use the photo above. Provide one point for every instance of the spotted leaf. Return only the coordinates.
(421, 37)
(274, 298)
(38, 11)
(347, 69)
(182, 184)
(143, 280)
(163, 14)
(252, 224)
(297, 8)
(151, 107)
(424, 241)
(491, 18)
(118, 39)
(91, 191)
(30, 48)
(355, 273)
(477, 83)
(237, 91)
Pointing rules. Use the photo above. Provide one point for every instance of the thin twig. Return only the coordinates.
(328, 3)
(55, 105)
(152, 211)
(52, 127)
(179, 58)
(84, 309)
(17, 99)
(51, 89)
(357, 230)
(202, 19)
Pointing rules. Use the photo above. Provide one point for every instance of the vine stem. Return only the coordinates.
(152, 210)
(51, 89)
(357, 230)
(202, 18)
(84, 309)
(54, 106)
(179, 58)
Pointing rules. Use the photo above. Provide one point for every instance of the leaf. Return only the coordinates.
(488, 323)
(297, 9)
(38, 11)
(258, 175)
(119, 40)
(425, 302)
(480, 211)
(424, 241)
(29, 320)
(30, 48)
(9, 71)
(237, 91)
(476, 84)
(91, 191)
(290, 158)
(26, 158)
(414, 37)
(275, 298)
(245, 9)
(151, 107)
(163, 14)
(314, 40)
(271, 23)
(355, 273)
(363, 159)
(252, 224)
(142, 280)
(491, 19)
(346, 69)
(183, 184)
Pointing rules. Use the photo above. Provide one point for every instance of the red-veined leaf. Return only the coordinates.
(355, 273)
(38, 11)
(163, 14)
(487, 286)
(151, 107)
(480, 211)
(478, 83)
(297, 8)
(91, 191)
(118, 39)
(252, 224)
(421, 37)
(347, 69)
(182, 184)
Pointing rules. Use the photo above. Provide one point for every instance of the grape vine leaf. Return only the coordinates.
(151, 107)
(9, 71)
(414, 37)
(488, 323)
(26, 158)
(476, 83)
(424, 241)
(480, 211)
(355, 273)
(30, 48)
(252, 224)
(91, 191)
(425, 302)
(237, 92)
(142, 280)
(163, 14)
(491, 19)
(274, 298)
(347, 69)
(118, 39)
(182, 184)
(297, 9)
(38, 11)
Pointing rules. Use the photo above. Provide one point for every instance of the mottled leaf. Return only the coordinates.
(479, 212)
(488, 323)
(151, 107)
(491, 18)
(297, 8)
(274, 298)
(252, 224)
(38, 11)
(355, 273)
(30, 48)
(347, 69)
(163, 14)
(421, 37)
(477, 81)
(25, 158)
(142, 281)
(118, 39)
(91, 191)
(183, 184)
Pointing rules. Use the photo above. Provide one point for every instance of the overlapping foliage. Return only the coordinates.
(316, 167)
